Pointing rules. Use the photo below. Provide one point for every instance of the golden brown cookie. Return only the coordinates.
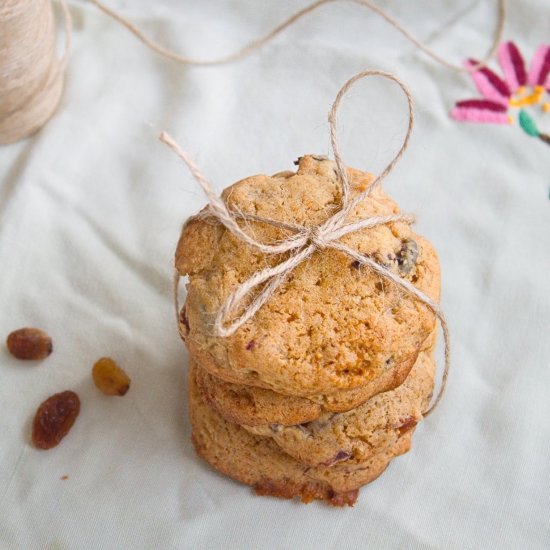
(333, 325)
(253, 406)
(362, 432)
(259, 462)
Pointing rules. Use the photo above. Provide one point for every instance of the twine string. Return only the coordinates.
(246, 300)
(31, 77)
(258, 43)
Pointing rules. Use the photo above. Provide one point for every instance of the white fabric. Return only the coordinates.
(90, 210)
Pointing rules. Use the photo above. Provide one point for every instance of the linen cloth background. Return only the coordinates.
(90, 212)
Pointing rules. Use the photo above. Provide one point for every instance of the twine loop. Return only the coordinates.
(245, 301)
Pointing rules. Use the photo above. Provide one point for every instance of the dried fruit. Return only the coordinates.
(407, 424)
(110, 378)
(54, 418)
(339, 457)
(407, 256)
(251, 345)
(29, 343)
(183, 324)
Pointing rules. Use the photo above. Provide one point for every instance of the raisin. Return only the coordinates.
(407, 424)
(407, 256)
(183, 323)
(54, 418)
(339, 457)
(251, 345)
(29, 344)
(110, 378)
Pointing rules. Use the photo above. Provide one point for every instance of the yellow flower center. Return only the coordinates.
(526, 96)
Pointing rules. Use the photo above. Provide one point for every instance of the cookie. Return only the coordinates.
(253, 406)
(362, 432)
(333, 325)
(259, 461)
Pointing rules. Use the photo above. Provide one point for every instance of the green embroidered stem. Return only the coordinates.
(530, 128)
(528, 124)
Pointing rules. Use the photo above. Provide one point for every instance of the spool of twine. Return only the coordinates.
(31, 75)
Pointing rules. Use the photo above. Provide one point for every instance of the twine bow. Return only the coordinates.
(307, 240)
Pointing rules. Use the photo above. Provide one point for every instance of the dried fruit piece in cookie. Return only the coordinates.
(259, 462)
(54, 418)
(407, 256)
(109, 377)
(362, 432)
(29, 344)
(253, 406)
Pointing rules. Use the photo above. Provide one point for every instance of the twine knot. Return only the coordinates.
(316, 237)
(245, 301)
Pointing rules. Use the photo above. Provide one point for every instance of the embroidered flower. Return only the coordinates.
(518, 89)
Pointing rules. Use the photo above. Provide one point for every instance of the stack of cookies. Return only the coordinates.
(324, 385)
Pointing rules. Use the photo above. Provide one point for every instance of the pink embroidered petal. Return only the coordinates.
(483, 104)
(540, 67)
(512, 65)
(489, 84)
(475, 114)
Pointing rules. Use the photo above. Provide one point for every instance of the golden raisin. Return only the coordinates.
(110, 378)
(29, 343)
(54, 418)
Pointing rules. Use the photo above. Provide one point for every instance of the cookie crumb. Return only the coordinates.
(342, 499)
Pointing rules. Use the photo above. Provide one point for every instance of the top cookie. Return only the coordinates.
(333, 324)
